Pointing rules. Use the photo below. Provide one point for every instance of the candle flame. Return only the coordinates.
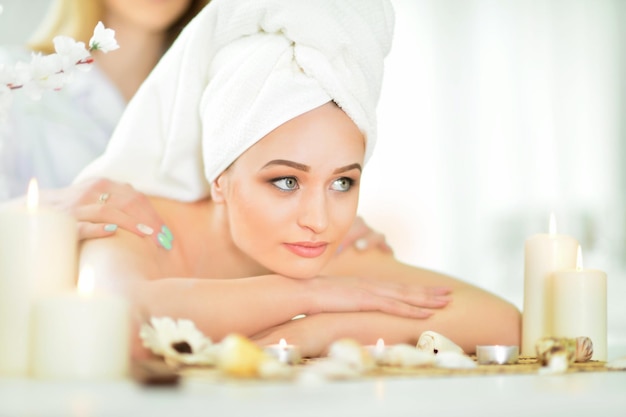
(86, 281)
(579, 259)
(552, 226)
(32, 198)
(380, 344)
(282, 343)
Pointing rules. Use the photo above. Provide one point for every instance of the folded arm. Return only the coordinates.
(473, 317)
(158, 285)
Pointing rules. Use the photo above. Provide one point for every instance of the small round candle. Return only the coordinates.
(284, 352)
(580, 307)
(81, 335)
(377, 351)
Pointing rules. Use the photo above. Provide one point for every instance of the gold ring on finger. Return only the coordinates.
(103, 198)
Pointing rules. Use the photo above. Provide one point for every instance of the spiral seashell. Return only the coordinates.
(584, 349)
(405, 355)
(454, 360)
(434, 342)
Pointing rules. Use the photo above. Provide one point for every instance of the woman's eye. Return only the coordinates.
(286, 184)
(342, 184)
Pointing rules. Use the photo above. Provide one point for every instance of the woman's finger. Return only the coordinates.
(88, 230)
(107, 204)
(363, 237)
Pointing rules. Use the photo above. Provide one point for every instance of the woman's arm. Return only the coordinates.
(315, 333)
(474, 316)
(153, 281)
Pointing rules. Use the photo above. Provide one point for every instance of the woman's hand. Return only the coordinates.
(364, 237)
(101, 206)
(349, 294)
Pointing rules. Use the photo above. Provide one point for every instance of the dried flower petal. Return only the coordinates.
(352, 353)
(549, 346)
(179, 342)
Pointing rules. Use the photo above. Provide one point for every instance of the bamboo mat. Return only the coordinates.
(525, 365)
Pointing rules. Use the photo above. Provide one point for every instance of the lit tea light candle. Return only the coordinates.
(580, 307)
(543, 255)
(378, 351)
(284, 352)
(81, 335)
(497, 354)
(38, 258)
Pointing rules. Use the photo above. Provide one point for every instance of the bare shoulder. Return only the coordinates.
(121, 258)
(376, 264)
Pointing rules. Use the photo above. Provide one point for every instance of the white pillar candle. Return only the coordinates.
(543, 255)
(81, 335)
(579, 298)
(38, 257)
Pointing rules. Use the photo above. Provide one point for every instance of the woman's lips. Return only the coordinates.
(307, 249)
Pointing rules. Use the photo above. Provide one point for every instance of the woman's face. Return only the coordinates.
(291, 197)
(150, 15)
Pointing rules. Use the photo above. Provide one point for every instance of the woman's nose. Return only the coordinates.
(314, 212)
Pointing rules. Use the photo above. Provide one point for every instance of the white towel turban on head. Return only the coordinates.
(240, 69)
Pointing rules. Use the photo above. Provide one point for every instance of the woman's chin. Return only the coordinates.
(299, 271)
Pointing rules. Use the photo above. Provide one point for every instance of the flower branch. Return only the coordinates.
(53, 71)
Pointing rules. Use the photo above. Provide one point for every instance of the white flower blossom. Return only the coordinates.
(103, 39)
(44, 73)
(71, 54)
(178, 342)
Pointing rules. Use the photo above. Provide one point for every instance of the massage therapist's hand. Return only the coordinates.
(350, 294)
(101, 206)
(363, 237)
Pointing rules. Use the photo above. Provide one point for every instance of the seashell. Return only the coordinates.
(352, 353)
(584, 349)
(407, 356)
(239, 356)
(547, 347)
(454, 360)
(435, 343)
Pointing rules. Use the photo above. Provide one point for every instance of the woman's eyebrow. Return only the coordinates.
(348, 168)
(292, 164)
(307, 168)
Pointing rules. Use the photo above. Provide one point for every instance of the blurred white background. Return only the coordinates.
(494, 113)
